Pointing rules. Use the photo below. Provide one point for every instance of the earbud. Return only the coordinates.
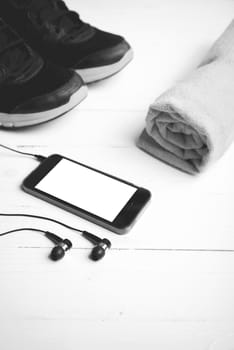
(99, 250)
(57, 253)
(63, 245)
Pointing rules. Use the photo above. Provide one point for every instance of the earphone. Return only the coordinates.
(63, 245)
(98, 252)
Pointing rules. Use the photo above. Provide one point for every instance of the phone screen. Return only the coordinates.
(87, 189)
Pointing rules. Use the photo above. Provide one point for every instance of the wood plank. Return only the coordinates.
(134, 298)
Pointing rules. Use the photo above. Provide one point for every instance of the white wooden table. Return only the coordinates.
(152, 290)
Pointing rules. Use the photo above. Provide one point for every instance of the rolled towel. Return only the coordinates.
(192, 124)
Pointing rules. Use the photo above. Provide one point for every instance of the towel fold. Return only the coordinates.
(192, 124)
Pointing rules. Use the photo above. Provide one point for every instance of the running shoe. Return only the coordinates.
(32, 90)
(60, 36)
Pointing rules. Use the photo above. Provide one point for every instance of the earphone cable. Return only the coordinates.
(37, 156)
(43, 218)
(22, 229)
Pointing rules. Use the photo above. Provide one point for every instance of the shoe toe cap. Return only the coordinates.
(104, 57)
(51, 100)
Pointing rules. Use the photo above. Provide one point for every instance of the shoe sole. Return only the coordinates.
(10, 121)
(90, 75)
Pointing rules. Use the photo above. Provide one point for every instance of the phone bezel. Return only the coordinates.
(121, 223)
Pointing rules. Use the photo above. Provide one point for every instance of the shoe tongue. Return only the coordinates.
(57, 13)
(58, 21)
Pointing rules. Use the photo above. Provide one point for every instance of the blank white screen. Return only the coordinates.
(86, 189)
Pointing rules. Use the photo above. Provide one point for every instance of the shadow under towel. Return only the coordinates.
(192, 124)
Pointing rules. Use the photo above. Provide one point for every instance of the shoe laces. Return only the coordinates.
(17, 61)
(55, 20)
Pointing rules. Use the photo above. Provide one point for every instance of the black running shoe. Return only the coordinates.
(60, 36)
(32, 91)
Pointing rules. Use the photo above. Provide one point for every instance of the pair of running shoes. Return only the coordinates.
(47, 56)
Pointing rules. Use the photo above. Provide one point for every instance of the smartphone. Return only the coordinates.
(87, 192)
